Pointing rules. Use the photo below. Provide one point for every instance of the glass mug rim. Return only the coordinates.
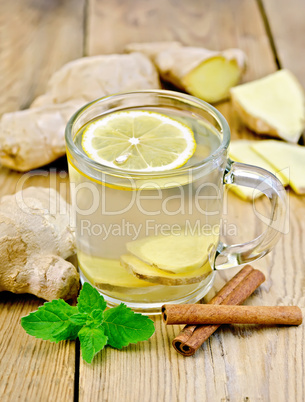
(200, 104)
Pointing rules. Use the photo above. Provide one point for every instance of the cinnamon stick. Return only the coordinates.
(226, 314)
(236, 291)
(224, 292)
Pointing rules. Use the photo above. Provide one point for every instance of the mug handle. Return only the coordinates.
(229, 256)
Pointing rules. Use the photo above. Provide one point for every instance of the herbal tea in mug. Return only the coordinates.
(147, 172)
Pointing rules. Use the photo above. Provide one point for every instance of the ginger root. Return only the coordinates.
(152, 274)
(273, 105)
(151, 49)
(286, 158)
(204, 73)
(34, 137)
(35, 240)
(241, 151)
(90, 78)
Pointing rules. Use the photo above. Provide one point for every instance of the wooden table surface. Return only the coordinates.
(238, 363)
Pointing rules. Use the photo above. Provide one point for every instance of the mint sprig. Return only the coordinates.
(92, 340)
(123, 327)
(118, 327)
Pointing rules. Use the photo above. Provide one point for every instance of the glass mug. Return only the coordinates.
(149, 238)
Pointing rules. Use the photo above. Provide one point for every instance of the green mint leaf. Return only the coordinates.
(123, 326)
(79, 319)
(52, 322)
(92, 340)
(97, 316)
(89, 299)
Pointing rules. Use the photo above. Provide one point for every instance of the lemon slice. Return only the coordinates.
(176, 254)
(139, 140)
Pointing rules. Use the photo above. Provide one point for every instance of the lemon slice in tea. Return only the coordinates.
(139, 140)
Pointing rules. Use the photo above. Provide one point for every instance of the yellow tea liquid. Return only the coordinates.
(129, 227)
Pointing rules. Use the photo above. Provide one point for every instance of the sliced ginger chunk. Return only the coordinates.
(108, 274)
(204, 73)
(287, 158)
(273, 105)
(155, 275)
(207, 74)
(212, 79)
(241, 151)
(176, 254)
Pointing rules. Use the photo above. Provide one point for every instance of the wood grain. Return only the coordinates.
(215, 25)
(31, 369)
(152, 371)
(238, 363)
(286, 22)
(37, 37)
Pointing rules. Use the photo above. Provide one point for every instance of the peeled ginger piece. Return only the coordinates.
(273, 105)
(212, 79)
(108, 274)
(241, 151)
(155, 275)
(287, 158)
(176, 254)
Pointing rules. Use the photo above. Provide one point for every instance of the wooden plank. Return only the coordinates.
(31, 369)
(270, 359)
(215, 25)
(37, 37)
(240, 362)
(286, 21)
